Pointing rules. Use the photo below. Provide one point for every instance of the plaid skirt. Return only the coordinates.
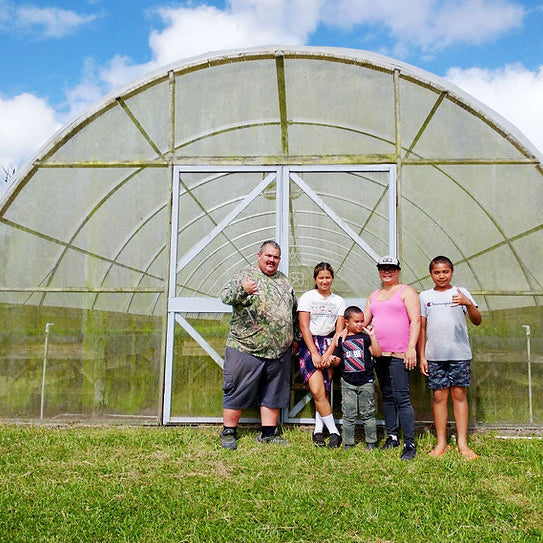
(307, 369)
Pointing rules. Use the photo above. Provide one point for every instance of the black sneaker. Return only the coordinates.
(229, 439)
(276, 439)
(408, 452)
(390, 443)
(349, 446)
(371, 446)
(318, 439)
(335, 441)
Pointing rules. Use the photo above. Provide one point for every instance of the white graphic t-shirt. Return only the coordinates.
(323, 311)
(446, 328)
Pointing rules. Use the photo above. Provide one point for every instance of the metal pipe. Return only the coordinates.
(529, 353)
(45, 349)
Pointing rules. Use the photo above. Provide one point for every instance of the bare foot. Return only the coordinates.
(468, 454)
(437, 452)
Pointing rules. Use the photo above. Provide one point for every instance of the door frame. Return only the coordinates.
(283, 175)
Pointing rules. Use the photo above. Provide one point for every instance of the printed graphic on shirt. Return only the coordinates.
(356, 361)
(444, 304)
(430, 304)
(353, 356)
(322, 309)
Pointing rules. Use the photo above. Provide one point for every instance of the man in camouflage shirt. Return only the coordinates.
(257, 365)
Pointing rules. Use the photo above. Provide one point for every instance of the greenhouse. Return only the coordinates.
(119, 235)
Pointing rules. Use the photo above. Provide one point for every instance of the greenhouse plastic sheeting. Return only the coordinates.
(403, 162)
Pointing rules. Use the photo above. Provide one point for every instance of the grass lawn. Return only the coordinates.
(79, 483)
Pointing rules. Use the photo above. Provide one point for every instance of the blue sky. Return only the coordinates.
(59, 57)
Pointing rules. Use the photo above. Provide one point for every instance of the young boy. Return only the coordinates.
(445, 353)
(354, 354)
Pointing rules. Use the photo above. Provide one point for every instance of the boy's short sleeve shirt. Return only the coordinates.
(356, 362)
(446, 328)
(323, 311)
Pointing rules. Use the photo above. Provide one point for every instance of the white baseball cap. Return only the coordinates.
(389, 260)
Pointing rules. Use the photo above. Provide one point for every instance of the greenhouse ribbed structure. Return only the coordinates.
(117, 238)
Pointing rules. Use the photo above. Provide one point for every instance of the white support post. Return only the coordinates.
(392, 212)
(44, 367)
(172, 280)
(529, 356)
(282, 199)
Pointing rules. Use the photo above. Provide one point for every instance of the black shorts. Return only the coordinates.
(251, 381)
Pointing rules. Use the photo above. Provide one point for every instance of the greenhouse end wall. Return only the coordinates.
(87, 277)
(75, 364)
(106, 366)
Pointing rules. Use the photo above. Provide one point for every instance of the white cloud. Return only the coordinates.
(121, 70)
(27, 122)
(430, 25)
(98, 81)
(513, 91)
(40, 22)
(51, 22)
(243, 23)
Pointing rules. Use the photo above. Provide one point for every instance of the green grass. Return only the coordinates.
(177, 484)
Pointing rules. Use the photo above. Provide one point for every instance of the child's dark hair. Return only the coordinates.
(322, 266)
(352, 310)
(440, 260)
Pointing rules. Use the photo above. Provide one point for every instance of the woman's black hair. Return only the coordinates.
(322, 266)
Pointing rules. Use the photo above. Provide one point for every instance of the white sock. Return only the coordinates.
(330, 424)
(319, 425)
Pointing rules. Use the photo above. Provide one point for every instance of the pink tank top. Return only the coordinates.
(391, 322)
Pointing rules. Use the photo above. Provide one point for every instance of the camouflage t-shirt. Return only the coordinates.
(263, 324)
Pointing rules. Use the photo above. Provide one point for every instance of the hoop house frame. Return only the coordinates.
(86, 227)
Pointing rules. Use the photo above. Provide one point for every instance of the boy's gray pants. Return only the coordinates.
(355, 400)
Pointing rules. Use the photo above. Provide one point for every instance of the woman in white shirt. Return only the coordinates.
(321, 317)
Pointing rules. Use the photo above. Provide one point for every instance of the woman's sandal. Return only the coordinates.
(468, 454)
(437, 453)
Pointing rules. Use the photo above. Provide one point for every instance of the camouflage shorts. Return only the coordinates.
(448, 373)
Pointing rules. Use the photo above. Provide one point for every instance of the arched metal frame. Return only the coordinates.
(405, 154)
